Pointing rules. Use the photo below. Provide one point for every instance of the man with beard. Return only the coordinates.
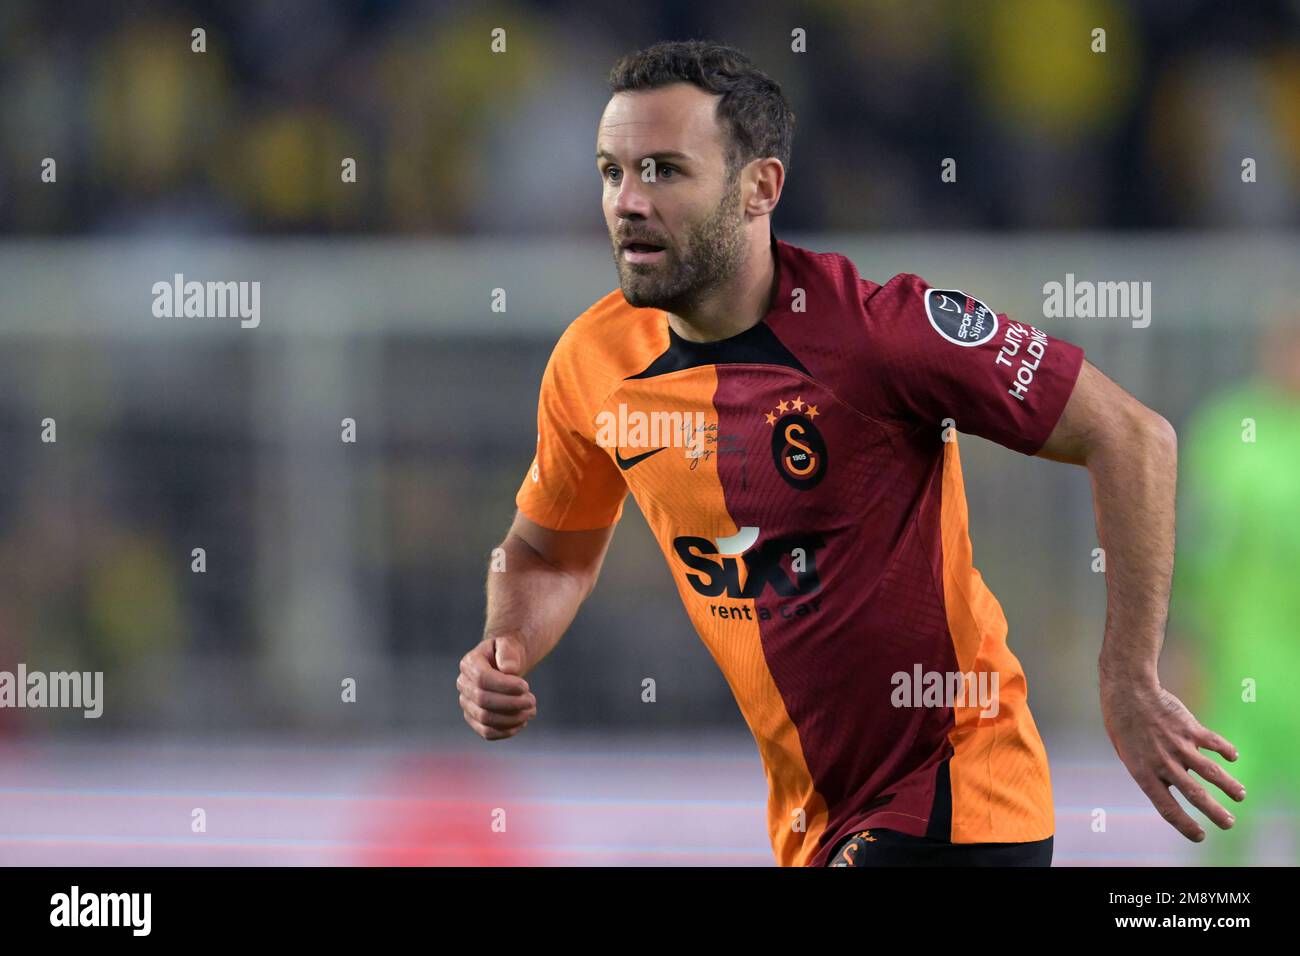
(818, 533)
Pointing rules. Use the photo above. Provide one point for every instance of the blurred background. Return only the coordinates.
(328, 560)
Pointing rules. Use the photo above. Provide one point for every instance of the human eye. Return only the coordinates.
(610, 173)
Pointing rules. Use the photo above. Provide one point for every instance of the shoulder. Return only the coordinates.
(829, 281)
(599, 324)
(837, 271)
(908, 308)
(615, 335)
(895, 309)
(605, 344)
(887, 303)
(908, 294)
(903, 289)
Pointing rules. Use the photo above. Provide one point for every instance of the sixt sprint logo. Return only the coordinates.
(718, 574)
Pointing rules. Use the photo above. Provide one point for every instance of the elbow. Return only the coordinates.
(1160, 433)
(1138, 433)
(589, 584)
(1151, 436)
(581, 577)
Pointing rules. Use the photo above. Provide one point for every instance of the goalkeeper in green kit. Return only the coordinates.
(1235, 587)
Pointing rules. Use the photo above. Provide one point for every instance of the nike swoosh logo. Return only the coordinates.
(626, 463)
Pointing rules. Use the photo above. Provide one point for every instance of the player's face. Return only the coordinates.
(674, 216)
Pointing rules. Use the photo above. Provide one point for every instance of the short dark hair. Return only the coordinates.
(752, 108)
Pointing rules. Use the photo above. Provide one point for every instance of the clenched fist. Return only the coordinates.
(494, 697)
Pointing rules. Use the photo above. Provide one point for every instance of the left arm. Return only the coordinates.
(1131, 454)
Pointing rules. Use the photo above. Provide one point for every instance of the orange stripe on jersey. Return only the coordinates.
(573, 484)
(1001, 788)
(698, 506)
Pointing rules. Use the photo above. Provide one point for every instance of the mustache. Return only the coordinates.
(648, 240)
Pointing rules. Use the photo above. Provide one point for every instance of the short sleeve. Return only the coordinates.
(943, 354)
(571, 484)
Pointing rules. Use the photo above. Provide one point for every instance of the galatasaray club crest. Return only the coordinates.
(797, 446)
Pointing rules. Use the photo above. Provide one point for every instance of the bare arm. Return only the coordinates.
(530, 604)
(1131, 454)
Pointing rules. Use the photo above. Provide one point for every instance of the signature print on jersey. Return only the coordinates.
(797, 446)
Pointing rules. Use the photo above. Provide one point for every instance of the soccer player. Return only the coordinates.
(788, 429)
(1234, 585)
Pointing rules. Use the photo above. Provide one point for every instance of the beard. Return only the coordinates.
(715, 249)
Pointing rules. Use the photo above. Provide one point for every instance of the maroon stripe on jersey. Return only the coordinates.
(867, 603)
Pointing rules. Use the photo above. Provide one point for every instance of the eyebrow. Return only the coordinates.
(662, 154)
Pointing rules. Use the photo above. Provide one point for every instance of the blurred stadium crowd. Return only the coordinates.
(452, 139)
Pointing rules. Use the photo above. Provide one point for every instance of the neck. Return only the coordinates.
(737, 305)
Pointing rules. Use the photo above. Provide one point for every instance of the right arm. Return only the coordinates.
(547, 576)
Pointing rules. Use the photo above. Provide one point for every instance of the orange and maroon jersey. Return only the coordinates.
(803, 481)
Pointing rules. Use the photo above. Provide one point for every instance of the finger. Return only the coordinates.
(1157, 792)
(492, 701)
(496, 721)
(1200, 798)
(489, 733)
(483, 673)
(507, 656)
(1211, 772)
(1209, 740)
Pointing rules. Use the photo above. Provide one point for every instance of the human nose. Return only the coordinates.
(631, 199)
